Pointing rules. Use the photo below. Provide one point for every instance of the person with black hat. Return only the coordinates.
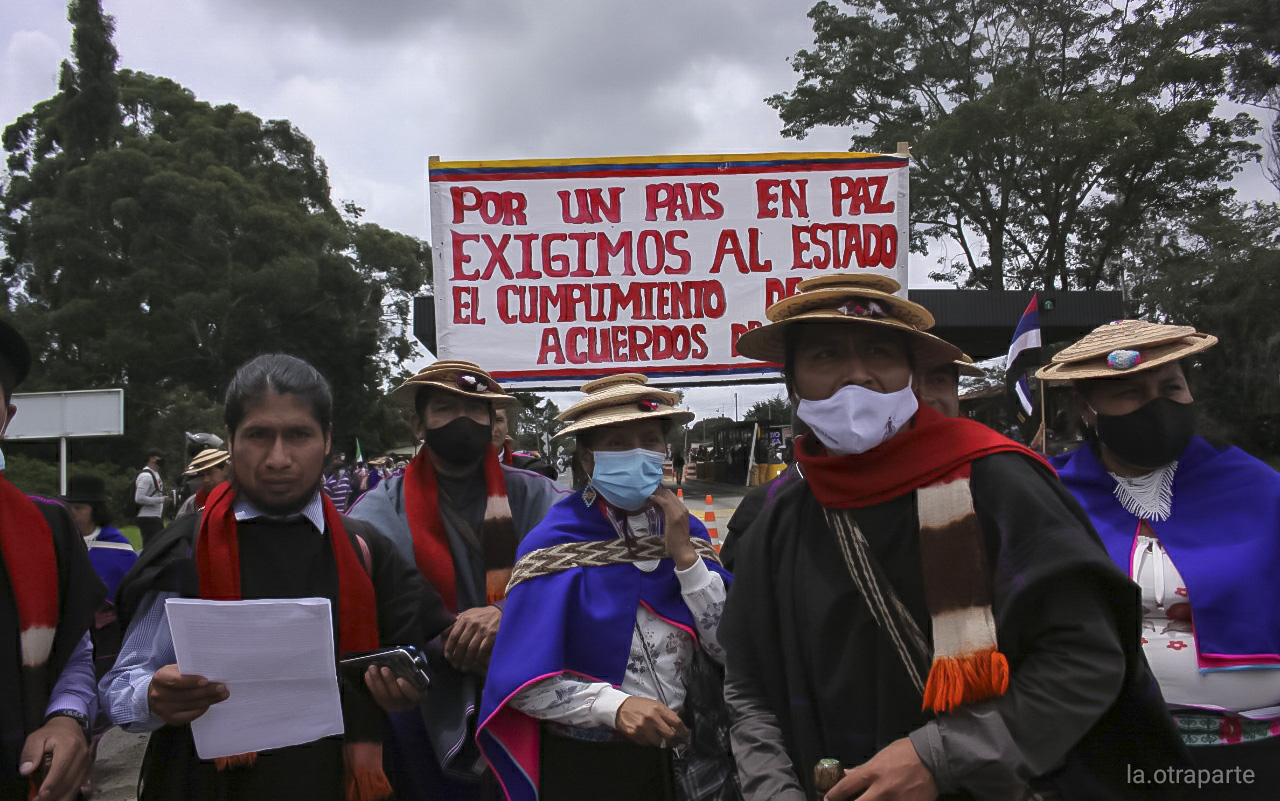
(148, 494)
(928, 606)
(459, 514)
(110, 551)
(48, 594)
(111, 554)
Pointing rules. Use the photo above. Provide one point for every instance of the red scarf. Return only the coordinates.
(218, 564)
(431, 550)
(933, 447)
(26, 544)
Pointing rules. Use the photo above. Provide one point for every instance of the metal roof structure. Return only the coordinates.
(981, 322)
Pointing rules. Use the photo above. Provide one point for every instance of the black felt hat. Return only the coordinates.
(85, 489)
(14, 348)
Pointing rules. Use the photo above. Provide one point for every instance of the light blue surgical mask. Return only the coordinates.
(626, 479)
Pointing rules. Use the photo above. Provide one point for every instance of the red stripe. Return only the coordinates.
(431, 550)
(26, 542)
(584, 372)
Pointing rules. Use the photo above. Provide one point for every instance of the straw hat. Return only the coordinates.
(1123, 348)
(458, 377)
(848, 298)
(967, 367)
(620, 399)
(209, 457)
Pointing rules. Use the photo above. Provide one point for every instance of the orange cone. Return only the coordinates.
(680, 493)
(709, 518)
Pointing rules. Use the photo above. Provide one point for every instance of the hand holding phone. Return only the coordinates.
(404, 662)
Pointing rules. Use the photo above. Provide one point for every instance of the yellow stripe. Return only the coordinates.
(436, 164)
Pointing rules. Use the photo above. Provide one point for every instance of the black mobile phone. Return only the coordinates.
(405, 662)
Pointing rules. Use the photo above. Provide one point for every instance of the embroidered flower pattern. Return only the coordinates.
(1181, 591)
(1176, 645)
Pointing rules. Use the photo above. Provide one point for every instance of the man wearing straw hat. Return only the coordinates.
(210, 467)
(928, 607)
(459, 514)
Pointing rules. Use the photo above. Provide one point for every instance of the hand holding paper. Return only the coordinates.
(276, 661)
(176, 698)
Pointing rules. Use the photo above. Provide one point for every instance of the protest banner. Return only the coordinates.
(549, 273)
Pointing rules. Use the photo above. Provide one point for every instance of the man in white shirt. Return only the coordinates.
(148, 493)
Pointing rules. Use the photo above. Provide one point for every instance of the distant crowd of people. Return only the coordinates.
(917, 608)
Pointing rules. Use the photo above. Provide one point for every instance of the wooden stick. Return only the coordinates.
(826, 774)
(1044, 427)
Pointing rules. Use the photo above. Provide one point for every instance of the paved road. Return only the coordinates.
(115, 773)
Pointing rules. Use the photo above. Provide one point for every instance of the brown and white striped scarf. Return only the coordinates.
(431, 549)
(965, 664)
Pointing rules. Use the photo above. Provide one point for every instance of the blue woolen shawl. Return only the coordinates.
(1223, 535)
(577, 621)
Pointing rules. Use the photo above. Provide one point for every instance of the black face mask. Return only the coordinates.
(459, 442)
(1152, 435)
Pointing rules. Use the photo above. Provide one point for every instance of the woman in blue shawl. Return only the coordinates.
(1198, 528)
(603, 681)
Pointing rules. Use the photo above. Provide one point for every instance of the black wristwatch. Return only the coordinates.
(79, 717)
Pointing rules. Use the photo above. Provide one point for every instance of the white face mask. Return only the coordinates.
(856, 419)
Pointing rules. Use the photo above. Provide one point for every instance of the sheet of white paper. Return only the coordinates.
(276, 658)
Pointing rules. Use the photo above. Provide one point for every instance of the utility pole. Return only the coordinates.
(735, 406)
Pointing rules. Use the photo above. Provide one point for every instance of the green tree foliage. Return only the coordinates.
(156, 242)
(1247, 32)
(774, 410)
(1044, 135)
(1220, 271)
(532, 420)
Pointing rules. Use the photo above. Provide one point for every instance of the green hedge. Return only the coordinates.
(40, 477)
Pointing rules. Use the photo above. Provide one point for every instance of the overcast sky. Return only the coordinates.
(380, 85)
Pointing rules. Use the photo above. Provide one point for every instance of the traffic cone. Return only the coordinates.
(709, 518)
(680, 493)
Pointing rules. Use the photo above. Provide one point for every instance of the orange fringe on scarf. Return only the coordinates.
(956, 680)
(237, 761)
(365, 779)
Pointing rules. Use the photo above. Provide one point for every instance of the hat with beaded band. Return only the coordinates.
(618, 399)
(1123, 348)
(848, 298)
(455, 377)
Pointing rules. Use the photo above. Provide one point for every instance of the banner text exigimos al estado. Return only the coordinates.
(555, 272)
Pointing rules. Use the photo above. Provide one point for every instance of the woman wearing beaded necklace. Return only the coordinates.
(604, 680)
(1199, 529)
